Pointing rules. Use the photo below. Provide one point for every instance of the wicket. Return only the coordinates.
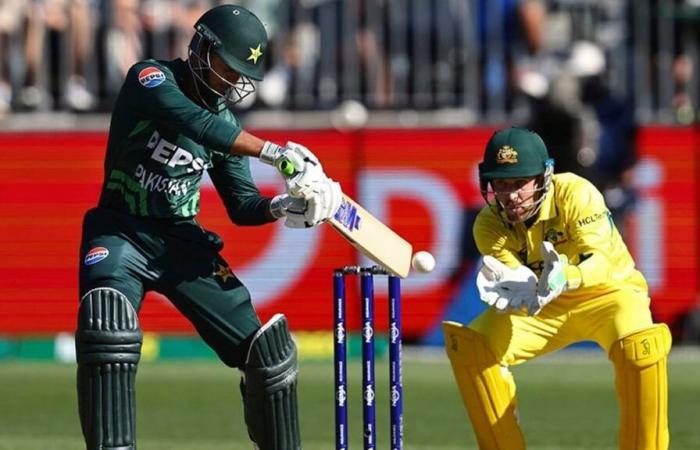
(368, 382)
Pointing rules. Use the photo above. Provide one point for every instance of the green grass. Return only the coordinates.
(565, 403)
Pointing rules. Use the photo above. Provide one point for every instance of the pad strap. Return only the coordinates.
(108, 348)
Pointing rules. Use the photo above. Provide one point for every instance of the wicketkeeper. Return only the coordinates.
(171, 122)
(555, 272)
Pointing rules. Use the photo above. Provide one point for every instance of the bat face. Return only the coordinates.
(348, 217)
(370, 236)
(374, 239)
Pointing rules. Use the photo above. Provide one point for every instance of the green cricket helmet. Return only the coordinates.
(515, 153)
(236, 36)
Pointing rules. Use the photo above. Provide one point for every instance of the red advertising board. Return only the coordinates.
(417, 181)
(665, 223)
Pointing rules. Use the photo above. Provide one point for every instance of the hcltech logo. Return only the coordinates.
(151, 77)
(96, 255)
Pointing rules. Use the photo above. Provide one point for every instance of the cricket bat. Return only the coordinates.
(366, 233)
(370, 236)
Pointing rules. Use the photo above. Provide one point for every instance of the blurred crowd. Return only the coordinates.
(73, 54)
(506, 60)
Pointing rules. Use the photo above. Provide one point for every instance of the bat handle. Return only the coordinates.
(285, 167)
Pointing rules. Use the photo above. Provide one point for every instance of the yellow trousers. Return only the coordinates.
(620, 322)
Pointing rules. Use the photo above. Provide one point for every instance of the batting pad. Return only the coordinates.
(642, 388)
(270, 388)
(108, 349)
(488, 395)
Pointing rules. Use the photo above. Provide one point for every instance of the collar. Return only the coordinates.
(548, 210)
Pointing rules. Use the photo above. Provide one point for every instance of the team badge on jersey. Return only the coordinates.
(151, 77)
(95, 255)
(223, 272)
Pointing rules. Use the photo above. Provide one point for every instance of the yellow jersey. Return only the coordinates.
(575, 219)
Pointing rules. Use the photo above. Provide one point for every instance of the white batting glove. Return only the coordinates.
(322, 202)
(505, 288)
(300, 167)
(553, 279)
(292, 209)
(323, 199)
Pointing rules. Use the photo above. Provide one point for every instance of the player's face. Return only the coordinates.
(221, 77)
(517, 196)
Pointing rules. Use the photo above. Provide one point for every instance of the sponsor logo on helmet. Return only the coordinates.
(96, 255)
(255, 53)
(506, 155)
(151, 77)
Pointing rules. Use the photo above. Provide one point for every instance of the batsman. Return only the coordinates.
(555, 271)
(171, 122)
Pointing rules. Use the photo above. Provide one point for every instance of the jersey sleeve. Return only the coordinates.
(234, 183)
(493, 239)
(591, 227)
(152, 92)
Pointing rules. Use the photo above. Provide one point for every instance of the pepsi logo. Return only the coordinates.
(151, 77)
(96, 255)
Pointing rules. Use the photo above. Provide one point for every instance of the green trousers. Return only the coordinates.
(178, 259)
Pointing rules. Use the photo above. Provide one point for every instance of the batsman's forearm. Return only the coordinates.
(250, 211)
(247, 144)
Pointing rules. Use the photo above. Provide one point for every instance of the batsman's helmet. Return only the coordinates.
(516, 153)
(238, 37)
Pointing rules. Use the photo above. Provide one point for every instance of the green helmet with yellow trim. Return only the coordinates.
(515, 153)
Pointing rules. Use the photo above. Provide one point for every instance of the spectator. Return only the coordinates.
(122, 42)
(132, 30)
(9, 25)
(510, 34)
(167, 25)
(20, 25)
(184, 13)
(591, 130)
(52, 23)
(615, 151)
(303, 35)
(686, 14)
(556, 115)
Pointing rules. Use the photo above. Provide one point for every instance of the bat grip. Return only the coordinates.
(286, 167)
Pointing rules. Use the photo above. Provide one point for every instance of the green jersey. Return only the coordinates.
(160, 144)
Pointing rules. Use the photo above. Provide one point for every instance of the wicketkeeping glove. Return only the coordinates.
(505, 288)
(552, 280)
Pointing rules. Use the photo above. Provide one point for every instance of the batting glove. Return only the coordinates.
(321, 203)
(323, 199)
(300, 167)
(294, 210)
